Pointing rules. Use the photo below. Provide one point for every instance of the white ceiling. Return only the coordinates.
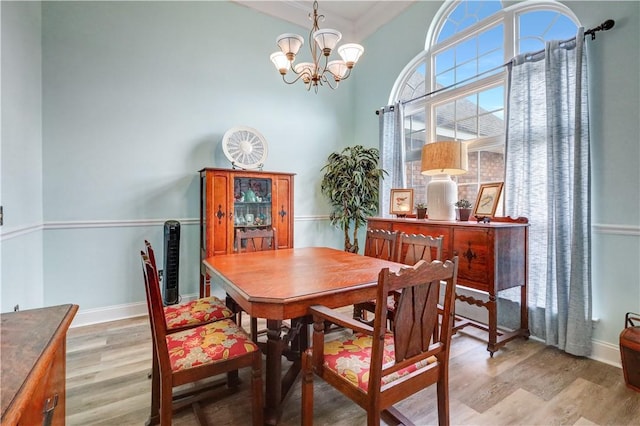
(355, 19)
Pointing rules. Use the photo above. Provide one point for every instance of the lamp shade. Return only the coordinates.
(444, 158)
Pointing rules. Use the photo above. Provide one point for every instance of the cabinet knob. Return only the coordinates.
(282, 213)
(219, 213)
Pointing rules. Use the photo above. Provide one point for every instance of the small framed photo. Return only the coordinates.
(487, 200)
(401, 202)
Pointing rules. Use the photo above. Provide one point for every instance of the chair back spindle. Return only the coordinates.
(415, 247)
(381, 244)
(256, 240)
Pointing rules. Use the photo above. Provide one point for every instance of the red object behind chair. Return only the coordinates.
(630, 351)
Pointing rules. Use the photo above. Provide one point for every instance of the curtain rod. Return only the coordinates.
(605, 26)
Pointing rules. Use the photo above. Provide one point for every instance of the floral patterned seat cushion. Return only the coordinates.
(350, 358)
(207, 344)
(199, 311)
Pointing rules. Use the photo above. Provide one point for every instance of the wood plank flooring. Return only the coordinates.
(525, 383)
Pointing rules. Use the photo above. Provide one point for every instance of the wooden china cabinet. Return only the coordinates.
(233, 199)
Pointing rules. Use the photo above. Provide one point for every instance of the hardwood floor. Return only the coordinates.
(525, 383)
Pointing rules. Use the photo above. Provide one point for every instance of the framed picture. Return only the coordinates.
(487, 200)
(401, 202)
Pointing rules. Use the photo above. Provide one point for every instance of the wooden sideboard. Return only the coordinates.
(493, 257)
(33, 354)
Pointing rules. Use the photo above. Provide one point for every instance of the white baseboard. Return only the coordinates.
(606, 352)
(114, 313)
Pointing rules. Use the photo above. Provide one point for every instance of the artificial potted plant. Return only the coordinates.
(463, 209)
(421, 210)
(351, 182)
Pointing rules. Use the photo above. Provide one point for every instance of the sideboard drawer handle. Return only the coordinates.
(49, 407)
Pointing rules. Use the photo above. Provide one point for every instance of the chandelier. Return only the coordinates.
(321, 42)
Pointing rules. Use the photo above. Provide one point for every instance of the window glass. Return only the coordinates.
(466, 14)
(415, 84)
(414, 133)
(416, 180)
(471, 117)
(466, 58)
(540, 26)
(470, 58)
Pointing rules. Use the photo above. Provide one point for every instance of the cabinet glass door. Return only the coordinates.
(252, 202)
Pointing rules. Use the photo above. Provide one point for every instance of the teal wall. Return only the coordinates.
(614, 73)
(134, 98)
(21, 276)
(137, 97)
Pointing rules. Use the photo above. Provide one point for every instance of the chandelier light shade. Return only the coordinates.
(290, 44)
(321, 43)
(440, 160)
(350, 53)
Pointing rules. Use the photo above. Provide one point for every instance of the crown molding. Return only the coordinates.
(356, 20)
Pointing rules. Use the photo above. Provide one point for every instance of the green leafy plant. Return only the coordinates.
(421, 205)
(463, 204)
(351, 182)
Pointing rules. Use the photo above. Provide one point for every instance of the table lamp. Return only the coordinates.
(441, 160)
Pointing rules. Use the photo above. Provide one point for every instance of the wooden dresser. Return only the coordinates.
(493, 257)
(33, 353)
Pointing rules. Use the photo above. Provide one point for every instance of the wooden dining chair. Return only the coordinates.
(181, 316)
(251, 240)
(411, 249)
(381, 244)
(377, 368)
(198, 353)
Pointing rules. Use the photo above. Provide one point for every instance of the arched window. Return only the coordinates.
(456, 88)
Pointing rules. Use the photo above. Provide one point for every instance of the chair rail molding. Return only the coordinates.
(17, 231)
(630, 230)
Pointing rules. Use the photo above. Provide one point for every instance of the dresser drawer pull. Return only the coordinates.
(469, 255)
(49, 407)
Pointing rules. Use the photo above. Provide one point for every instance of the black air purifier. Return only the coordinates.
(171, 261)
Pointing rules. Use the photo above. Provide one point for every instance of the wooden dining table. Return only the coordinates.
(281, 285)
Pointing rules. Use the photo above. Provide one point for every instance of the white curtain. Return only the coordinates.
(548, 181)
(392, 153)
